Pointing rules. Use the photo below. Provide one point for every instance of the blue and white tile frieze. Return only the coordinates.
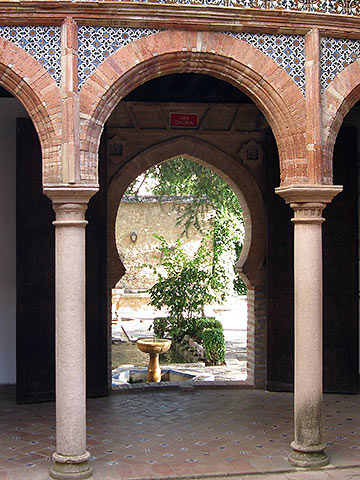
(41, 42)
(98, 43)
(286, 50)
(336, 55)
(339, 7)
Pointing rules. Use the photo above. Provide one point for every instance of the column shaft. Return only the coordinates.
(308, 334)
(71, 457)
(70, 338)
(308, 202)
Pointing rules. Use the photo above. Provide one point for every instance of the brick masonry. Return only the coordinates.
(169, 51)
(70, 124)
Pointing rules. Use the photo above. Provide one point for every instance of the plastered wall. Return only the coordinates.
(10, 109)
(147, 218)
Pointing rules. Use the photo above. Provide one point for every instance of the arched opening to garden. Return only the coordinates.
(207, 123)
(179, 233)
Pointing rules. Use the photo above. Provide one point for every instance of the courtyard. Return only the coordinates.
(204, 432)
(132, 324)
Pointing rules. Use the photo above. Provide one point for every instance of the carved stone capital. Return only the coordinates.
(308, 212)
(308, 193)
(308, 201)
(73, 194)
(70, 204)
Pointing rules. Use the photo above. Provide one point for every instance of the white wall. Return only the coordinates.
(10, 109)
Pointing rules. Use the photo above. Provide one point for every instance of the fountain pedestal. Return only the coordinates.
(154, 347)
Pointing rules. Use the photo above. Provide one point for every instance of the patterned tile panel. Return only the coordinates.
(336, 55)
(286, 50)
(42, 43)
(98, 43)
(339, 7)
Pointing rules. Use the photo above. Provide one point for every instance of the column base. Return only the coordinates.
(70, 467)
(308, 457)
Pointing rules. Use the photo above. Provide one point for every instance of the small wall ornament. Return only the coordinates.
(115, 148)
(251, 154)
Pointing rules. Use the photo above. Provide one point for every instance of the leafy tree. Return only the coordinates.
(208, 193)
(184, 287)
(182, 177)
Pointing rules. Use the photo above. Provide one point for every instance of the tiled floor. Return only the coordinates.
(164, 434)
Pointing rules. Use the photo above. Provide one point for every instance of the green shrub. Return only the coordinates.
(183, 287)
(162, 326)
(206, 331)
(201, 324)
(214, 344)
(169, 327)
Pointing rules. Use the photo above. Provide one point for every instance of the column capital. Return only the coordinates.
(70, 205)
(308, 212)
(319, 194)
(308, 202)
(61, 194)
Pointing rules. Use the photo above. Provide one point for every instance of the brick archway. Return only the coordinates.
(216, 54)
(30, 83)
(251, 261)
(339, 97)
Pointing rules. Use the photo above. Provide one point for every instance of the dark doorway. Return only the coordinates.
(340, 260)
(36, 280)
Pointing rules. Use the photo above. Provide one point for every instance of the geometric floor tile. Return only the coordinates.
(164, 434)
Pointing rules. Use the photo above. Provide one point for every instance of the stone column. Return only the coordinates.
(71, 457)
(308, 204)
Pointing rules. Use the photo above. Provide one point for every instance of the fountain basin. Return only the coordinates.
(128, 375)
(153, 345)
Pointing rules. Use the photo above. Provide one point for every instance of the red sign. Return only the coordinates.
(184, 120)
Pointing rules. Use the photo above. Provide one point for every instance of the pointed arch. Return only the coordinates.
(29, 82)
(216, 54)
(237, 176)
(339, 97)
(251, 261)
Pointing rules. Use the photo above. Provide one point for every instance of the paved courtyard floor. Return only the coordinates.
(166, 434)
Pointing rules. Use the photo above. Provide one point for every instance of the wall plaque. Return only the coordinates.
(184, 120)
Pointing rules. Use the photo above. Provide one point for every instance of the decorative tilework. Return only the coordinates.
(98, 43)
(42, 43)
(339, 7)
(286, 50)
(336, 55)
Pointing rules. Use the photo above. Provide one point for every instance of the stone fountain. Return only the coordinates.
(154, 347)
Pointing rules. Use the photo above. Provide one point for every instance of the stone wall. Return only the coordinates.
(146, 218)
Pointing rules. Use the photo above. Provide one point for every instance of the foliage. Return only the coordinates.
(239, 286)
(184, 288)
(174, 328)
(202, 324)
(182, 177)
(214, 344)
(209, 193)
(227, 234)
(162, 327)
(207, 331)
